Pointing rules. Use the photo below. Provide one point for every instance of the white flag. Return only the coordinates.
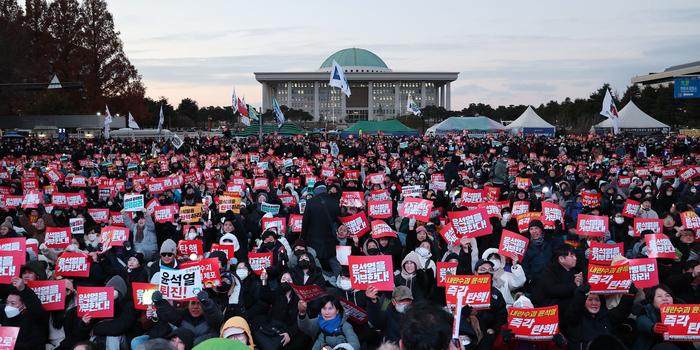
(132, 122)
(160, 122)
(411, 106)
(610, 110)
(338, 79)
(234, 102)
(176, 141)
(108, 116)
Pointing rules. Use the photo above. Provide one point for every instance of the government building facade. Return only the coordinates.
(377, 92)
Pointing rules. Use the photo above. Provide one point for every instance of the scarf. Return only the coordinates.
(538, 242)
(330, 326)
(139, 234)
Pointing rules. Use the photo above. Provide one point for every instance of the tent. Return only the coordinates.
(288, 129)
(475, 125)
(12, 135)
(531, 123)
(635, 122)
(391, 127)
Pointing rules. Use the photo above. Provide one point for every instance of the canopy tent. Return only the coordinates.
(11, 135)
(288, 128)
(391, 127)
(475, 125)
(531, 123)
(635, 122)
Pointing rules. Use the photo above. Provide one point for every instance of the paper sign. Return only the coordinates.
(682, 320)
(640, 225)
(382, 229)
(8, 337)
(96, 301)
(690, 220)
(592, 225)
(590, 199)
(471, 223)
(609, 279)
(183, 284)
(550, 214)
(380, 209)
(259, 261)
(513, 244)
(295, 222)
(51, 293)
(32, 199)
(449, 234)
(133, 202)
(660, 246)
(77, 226)
(470, 196)
(631, 208)
(270, 208)
(534, 324)
(57, 237)
(163, 214)
(99, 215)
(73, 265)
(113, 236)
(10, 263)
(644, 272)
(228, 249)
(351, 199)
(227, 203)
(416, 208)
(520, 207)
(524, 220)
(187, 247)
(376, 178)
(138, 290)
(523, 183)
(208, 269)
(357, 224)
(281, 224)
(354, 313)
(376, 271)
(190, 214)
(308, 293)
(476, 289)
(603, 254)
(445, 269)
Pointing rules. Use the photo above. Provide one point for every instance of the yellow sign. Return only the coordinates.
(227, 203)
(190, 214)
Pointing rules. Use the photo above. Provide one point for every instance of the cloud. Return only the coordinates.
(522, 86)
(468, 89)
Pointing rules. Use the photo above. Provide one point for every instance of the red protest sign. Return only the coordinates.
(208, 269)
(471, 223)
(520, 207)
(8, 337)
(138, 290)
(603, 254)
(352, 199)
(308, 293)
(376, 271)
(668, 172)
(288, 200)
(99, 215)
(550, 214)
(416, 208)
(476, 290)
(590, 199)
(187, 247)
(660, 246)
(376, 178)
(73, 265)
(163, 214)
(295, 222)
(470, 196)
(523, 183)
(382, 229)
(259, 261)
(640, 225)
(380, 209)
(644, 272)
(609, 279)
(690, 220)
(536, 324)
(57, 237)
(491, 194)
(445, 269)
(32, 199)
(357, 224)
(688, 173)
(592, 225)
(631, 208)
(10, 263)
(261, 183)
(280, 223)
(96, 301)
(354, 313)
(113, 236)
(513, 244)
(682, 320)
(228, 249)
(524, 220)
(51, 293)
(449, 234)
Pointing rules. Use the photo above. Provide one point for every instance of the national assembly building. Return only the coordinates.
(377, 92)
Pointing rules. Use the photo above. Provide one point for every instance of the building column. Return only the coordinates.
(442, 96)
(370, 101)
(316, 112)
(397, 96)
(265, 97)
(422, 94)
(289, 94)
(438, 95)
(448, 105)
(343, 105)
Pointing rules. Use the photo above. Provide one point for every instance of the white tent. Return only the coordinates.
(531, 123)
(634, 121)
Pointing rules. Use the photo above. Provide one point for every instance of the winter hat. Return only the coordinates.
(140, 258)
(186, 335)
(523, 302)
(7, 223)
(422, 229)
(319, 190)
(536, 223)
(268, 233)
(645, 199)
(264, 195)
(168, 246)
(221, 256)
(450, 256)
(36, 266)
(300, 243)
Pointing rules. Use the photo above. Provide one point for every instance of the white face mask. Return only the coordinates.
(11, 311)
(631, 233)
(422, 251)
(619, 220)
(401, 308)
(506, 216)
(466, 341)
(647, 190)
(92, 237)
(345, 285)
(496, 264)
(537, 195)
(242, 273)
(191, 236)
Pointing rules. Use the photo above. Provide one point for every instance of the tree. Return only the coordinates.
(153, 108)
(188, 108)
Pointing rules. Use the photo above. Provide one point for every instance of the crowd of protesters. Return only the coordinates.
(261, 309)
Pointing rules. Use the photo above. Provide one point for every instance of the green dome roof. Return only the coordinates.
(354, 58)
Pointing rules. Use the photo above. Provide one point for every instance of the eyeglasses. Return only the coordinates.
(166, 254)
(239, 336)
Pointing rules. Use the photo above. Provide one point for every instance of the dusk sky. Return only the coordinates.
(507, 52)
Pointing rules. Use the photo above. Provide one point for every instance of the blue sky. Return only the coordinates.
(507, 52)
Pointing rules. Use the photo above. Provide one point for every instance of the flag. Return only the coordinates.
(278, 114)
(108, 116)
(162, 118)
(234, 102)
(177, 141)
(242, 109)
(338, 79)
(106, 130)
(253, 113)
(412, 107)
(132, 122)
(610, 110)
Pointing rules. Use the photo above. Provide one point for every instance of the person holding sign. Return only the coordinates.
(112, 329)
(649, 322)
(505, 278)
(38, 229)
(560, 279)
(540, 248)
(143, 233)
(203, 316)
(331, 327)
(23, 309)
(387, 321)
(588, 316)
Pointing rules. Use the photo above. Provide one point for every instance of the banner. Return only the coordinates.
(73, 265)
(477, 291)
(183, 284)
(133, 202)
(380, 209)
(631, 208)
(113, 236)
(98, 302)
(357, 224)
(592, 225)
(190, 214)
(445, 269)
(471, 223)
(309, 293)
(138, 290)
(376, 271)
(536, 324)
(415, 208)
(51, 293)
(660, 246)
(550, 214)
(682, 320)
(354, 313)
(208, 270)
(259, 261)
(57, 237)
(603, 254)
(513, 244)
(609, 279)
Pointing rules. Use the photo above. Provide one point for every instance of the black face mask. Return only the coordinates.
(299, 252)
(269, 245)
(286, 287)
(304, 264)
(373, 251)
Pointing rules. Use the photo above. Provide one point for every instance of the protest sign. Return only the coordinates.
(138, 289)
(228, 249)
(655, 225)
(101, 216)
(380, 209)
(476, 289)
(660, 246)
(8, 337)
(471, 197)
(523, 220)
(354, 313)
(51, 293)
(415, 208)
(190, 214)
(280, 223)
(259, 261)
(98, 302)
(603, 254)
(690, 220)
(592, 225)
(631, 208)
(185, 248)
(513, 244)
(644, 272)
(550, 214)
(73, 265)
(682, 320)
(270, 208)
(520, 207)
(590, 199)
(10, 263)
(57, 237)
(181, 284)
(77, 226)
(609, 279)
(208, 270)
(227, 203)
(534, 324)
(381, 229)
(357, 224)
(445, 269)
(309, 293)
(113, 236)
(32, 199)
(133, 202)
(376, 271)
(163, 214)
(449, 234)
(471, 223)
(295, 222)
(352, 199)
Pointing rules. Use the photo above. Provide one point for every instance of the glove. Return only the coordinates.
(41, 209)
(203, 296)
(633, 289)
(72, 248)
(507, 336)
(43, 248)
(559, 340)
(660, 328)
(157, 296)
(585, 287)
(20, 211)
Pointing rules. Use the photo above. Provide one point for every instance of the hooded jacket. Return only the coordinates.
(124, 311)
(204, 327)
(239, 322)
(506, 278)
(33, 323)
(311, 328)
(418, 282)
(149, 244)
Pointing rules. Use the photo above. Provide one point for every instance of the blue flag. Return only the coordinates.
(278, 114)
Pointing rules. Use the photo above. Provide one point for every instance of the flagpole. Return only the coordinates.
(260, 121)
